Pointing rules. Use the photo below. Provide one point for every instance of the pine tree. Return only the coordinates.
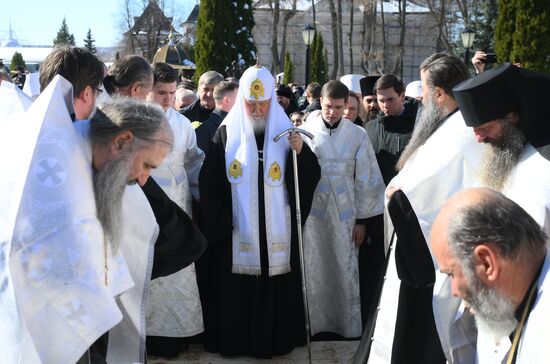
(522, 33)
(484, 23)
(318, 63)
(63, 35)
(531, 43)
(288, 69)
(506, 25)
(89, 42)
(17, 62)
(243, 22)
(212, 51)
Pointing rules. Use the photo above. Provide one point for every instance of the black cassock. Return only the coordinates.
(415, 332)
(260, 316)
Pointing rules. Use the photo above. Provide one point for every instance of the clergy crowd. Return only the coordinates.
(141, 214)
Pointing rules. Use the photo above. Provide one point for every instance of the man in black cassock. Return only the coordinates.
(390, 132)
(200, 110)
(255, 305)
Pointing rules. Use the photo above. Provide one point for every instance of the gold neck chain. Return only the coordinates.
(106, 259)
(519, 328)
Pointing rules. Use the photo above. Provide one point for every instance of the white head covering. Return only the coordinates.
(32, 85)
(256, 84)
(352, 82)
(414, 89)
(241, 162)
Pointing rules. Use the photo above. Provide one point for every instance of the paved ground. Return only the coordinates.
(322, 352)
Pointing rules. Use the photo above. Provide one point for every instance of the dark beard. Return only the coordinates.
(109, 186)
(501, 157)
(429, 120)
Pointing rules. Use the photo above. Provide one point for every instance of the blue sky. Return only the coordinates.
(36, 22)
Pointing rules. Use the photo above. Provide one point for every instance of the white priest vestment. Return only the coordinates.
(350, 188)
(174, 307)
(446, 163)
(140, 232)
(529, 187)
(54, 303)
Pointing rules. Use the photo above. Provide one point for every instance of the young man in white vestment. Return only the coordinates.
(350, 191)
(496, 256)
(174, 307)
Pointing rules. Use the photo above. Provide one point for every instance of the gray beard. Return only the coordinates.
(428, 121)
(258, 126)
(501, 157)
(494, 313)
(109, 186)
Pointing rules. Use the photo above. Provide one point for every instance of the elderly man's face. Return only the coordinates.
(147, 159)
(352, 109)
(256, 110)
(206, 95)
(493, 131)
(494, 312)
(447, 263)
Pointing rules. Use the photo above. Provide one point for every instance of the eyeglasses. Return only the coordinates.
(99, 91)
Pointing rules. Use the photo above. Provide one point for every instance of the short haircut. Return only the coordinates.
(165, 73)
(498, 220)
(210, 77)
(78, 65)
(445, 72)
(143, 119)
(388, 81)
(335, 90)
(125, 71)
(314, 90)
(223, 88)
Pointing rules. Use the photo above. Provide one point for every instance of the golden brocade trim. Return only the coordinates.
(275, 171)
(257, 89)
(235, 169)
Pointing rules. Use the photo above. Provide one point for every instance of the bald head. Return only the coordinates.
(479, 215)
(491, 249)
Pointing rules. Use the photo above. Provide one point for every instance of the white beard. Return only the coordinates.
(494, 313)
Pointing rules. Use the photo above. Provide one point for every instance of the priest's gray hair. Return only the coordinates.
(498, 220)
(210, 78)
(143, 119)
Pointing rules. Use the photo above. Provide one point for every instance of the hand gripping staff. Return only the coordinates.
(299, 226)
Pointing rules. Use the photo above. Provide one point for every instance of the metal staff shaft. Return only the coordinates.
(299, 227)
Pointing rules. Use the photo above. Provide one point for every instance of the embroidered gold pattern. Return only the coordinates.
(257, 89)
(235, 169)
(275, 171)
